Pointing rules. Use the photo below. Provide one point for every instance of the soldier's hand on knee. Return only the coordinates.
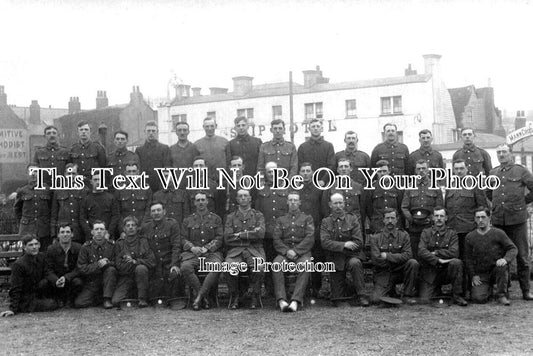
(175, 270)
(476, 281)
(501, 262)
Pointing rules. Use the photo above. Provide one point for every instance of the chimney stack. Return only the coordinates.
(432, 64)
(409, 71)
(74, 105)
(101, 99)
(35, 113)
(217, 91)
(196, 91)
(136, 95)
(3, 96)
(242, 85)
(312, 77)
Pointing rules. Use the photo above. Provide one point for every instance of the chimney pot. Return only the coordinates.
(242, 85)
(312, 77)
(196, 91)
(35, 113)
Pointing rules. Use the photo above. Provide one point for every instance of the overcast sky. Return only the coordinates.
(52, 50)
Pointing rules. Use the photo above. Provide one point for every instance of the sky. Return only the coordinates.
(52, 50)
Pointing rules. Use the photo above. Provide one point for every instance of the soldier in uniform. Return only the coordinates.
(358, 159)
(96, 263)
(244, 146)
(66, 206)
(201, 237)
(392, 259)
(163, 235)
(438, 251)
(243, 237)
(121, 155)
(212, 147)
(278, 150)
(231, 194)
(417, 205)
(394, 152)
(29, 290)
(32, 209)
(182, 153)
(509, 211)
(293, 241)
(87, 154)
(425, 152)
(134, 260)
(62, 259)
(477, 159)
(134, 202)
(319, 152)
(216, 198)
(342, 240)
(176, 202)
(153, 154)
(52, 155)
(380, 199)
(99, 205)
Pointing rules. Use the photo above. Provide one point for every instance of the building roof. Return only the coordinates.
(47, 115)
(483, 140)
(94, 114)
(10, 120)
(280, 89)
(460, 98)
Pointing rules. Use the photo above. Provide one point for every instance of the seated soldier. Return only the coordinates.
(488, 253)
(391, 255)
(293, 240)
(243, 235)
(30, 288)
(201, 238)
(134, 260)
(96, 263)
(342, 241)
(62, 259)
(438, 251)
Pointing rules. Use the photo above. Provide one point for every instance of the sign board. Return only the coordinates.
(520, 134)
(13, 146)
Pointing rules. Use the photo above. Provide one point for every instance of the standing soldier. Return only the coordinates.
(509, 211)
(278, 150)
(32, 209)
(87, 154)
(176, 202)
(426, 152)
(319, 152)
(358, 159)
(342, 240)
(394, 152)
(293, 241)
(183, 152)
(52, 155)
(96, 263)
(417, 205)
(134, 202)
(153, 154)
(66, 207)
(477, 159)
(121, 155)
(244, 146)
(243, 236)
(201, 237)
(212, 147)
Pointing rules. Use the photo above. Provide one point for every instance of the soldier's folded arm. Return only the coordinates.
(405, 254)
(326, 239)
(453, 248)
(84, 266)
(423, 253)
(258, 233)
(375, 252)
(148, 257)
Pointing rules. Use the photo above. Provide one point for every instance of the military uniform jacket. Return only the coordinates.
(354, 199)
(153, 155)
(334, 232)
(294, 231)
(358, 159)
(213, 196)
(320, 153)
(253, 223)
(66, 206)
(280, 151)
(396, 244)
(422, 198)
(88, 156)
(509, 200)
(397, 154)
(32, 208)
(444, 242)
(139, 250)
(176, 203)
(247, 147)
(482, 251)
(99, 206)
(477, 159)
(118, 159)
(164, 239)
(28, 274)
(61, 263)
(201, 231)
(272, 203)
(135, 202)
(460, 206)
(431, 156)
(90, 254)
(380, 199)
(52, 156)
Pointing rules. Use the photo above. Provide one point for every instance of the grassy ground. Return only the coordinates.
(319, 329)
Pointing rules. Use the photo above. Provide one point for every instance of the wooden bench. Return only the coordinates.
(8, 252)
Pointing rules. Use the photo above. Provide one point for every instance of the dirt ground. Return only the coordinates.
(317, 330)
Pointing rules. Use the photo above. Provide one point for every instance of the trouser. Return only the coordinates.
(354, 266)
(40, 300)
(256, 277)
(518, 234)
(40, 305)
(498, 275)
(386, 279)
(270, 253)
(466, 279)
(415, 240)
(301, 280)
(164, 284)
(126, 284)
(435, 276)
(318, 256)
(189, 269)
(96, 288)
(70, 291)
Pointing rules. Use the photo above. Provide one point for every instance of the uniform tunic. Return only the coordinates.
(477, 160)
(247, 147)
(397, 154)
(280, 151)
(153, 155)
(87, 156)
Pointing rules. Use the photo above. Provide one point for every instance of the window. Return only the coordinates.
(391, 105)
(313, 111)
(212, 114)
(351, 108)
(178, 118)
(247, 113)
(276, 112)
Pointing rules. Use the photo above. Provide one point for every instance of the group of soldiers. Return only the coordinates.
(109, 245)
